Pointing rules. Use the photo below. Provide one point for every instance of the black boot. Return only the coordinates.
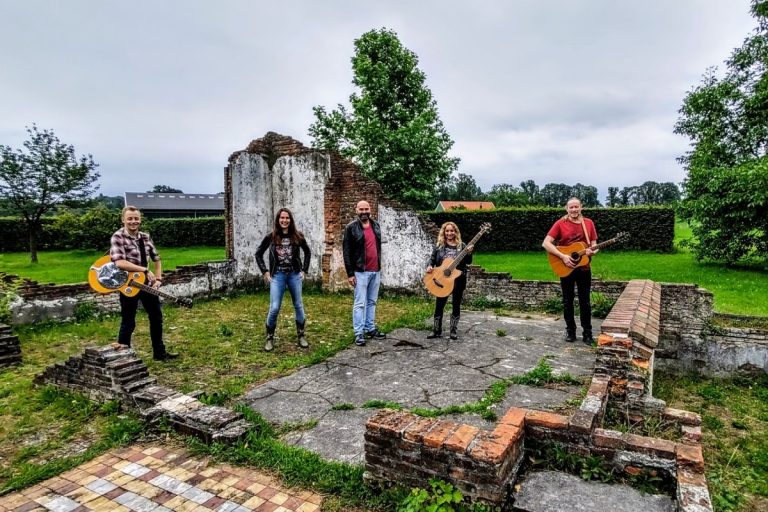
(270, 344)
(570, 336)
(437, 329)
(301, 341)
(587, 338)
(454, 327)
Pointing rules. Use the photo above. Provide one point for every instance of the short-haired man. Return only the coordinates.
(571, 228)
(362, 261)
(131, 250)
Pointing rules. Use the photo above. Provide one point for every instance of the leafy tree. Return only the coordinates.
(651, 192)
(726, 120)
(555, 194)
(160, 189)
(531, 191)
(462, 187)
(46, 173)
(507, 195)
(587, 194)
(612, 200)
(109, 201)
(393, 131)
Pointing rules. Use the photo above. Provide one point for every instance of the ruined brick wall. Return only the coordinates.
(322, 190)
(10, 350)
(499, 286)
(37, 302)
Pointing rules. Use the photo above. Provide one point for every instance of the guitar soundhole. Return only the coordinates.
(446, 272)
(575, 256)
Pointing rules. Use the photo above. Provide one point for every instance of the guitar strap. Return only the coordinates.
(584, 228)
(143, 252)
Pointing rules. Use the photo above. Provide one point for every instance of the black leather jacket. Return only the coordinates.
(298, 266)
(438, 255)
(354, 246)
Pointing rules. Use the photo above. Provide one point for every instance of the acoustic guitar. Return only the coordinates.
(440, 281)
(105, 276)
(577, 252)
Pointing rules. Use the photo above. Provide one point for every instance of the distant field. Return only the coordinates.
(63, 267)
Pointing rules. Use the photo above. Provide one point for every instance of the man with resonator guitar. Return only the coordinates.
(131, 250)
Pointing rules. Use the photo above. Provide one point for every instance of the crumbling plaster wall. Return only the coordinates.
(258, 191)
(321, 189)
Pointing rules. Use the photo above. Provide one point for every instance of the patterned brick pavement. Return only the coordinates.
(159, 479)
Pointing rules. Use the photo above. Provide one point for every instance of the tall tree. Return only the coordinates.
(531, 191)
(612, 200)
(160, 189)
(505, 194)
(45, 173)
(726, 120)
(393, 131)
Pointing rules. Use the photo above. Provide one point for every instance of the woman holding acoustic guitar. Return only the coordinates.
(286, 270)
(449, 245)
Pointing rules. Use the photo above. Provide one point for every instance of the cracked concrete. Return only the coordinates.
(413, 371)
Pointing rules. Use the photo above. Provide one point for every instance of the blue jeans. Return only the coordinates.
(364, 307)
(281, 281)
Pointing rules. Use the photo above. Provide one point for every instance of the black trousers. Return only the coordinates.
(151, 304)
(456, 295)
(581, 279)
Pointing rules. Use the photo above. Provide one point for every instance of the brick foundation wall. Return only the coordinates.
(114, 372)
(10, 351)
(402, 447)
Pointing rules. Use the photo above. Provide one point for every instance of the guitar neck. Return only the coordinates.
(463, 252)
(600, 245)
(153, 291)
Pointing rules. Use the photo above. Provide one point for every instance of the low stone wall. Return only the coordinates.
(114, 372)
(37, 302)
(686, 339)
(10, 351)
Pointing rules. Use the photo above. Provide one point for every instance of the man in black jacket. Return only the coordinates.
(362, 261)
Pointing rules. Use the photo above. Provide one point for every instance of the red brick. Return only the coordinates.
(416, 430)
(507, 434)
(682, 417)
(439, 433)
(487, 449)
(546, 419)
(650, 445)
(581, 422)
(461, 438)
(691, 434)
(515, 417)
(605, 339)
(641, 363)
(608, 439)
(690, 477)
(690, 456)
(393, 425)
(598, 387)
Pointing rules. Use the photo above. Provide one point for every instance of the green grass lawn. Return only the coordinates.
(64, 267)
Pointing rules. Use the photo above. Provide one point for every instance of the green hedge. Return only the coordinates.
(93, 230)
(650, 228)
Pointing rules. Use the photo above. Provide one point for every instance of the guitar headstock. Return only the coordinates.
(184, 301)
(621, 235)
(485, 227)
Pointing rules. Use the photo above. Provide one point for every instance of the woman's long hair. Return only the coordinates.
(566, 216)
(294, 234)
(441, 235)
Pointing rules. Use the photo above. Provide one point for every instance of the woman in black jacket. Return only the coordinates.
(449, 245)
(286, 270)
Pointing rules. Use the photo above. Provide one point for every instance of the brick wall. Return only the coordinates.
(10, 351)
(402, 447)
(114, 372)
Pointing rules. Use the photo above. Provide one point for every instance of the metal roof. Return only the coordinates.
(174, 201)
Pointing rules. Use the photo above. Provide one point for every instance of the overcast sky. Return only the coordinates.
(162, 92)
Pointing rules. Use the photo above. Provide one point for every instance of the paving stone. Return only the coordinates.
(549, 491)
